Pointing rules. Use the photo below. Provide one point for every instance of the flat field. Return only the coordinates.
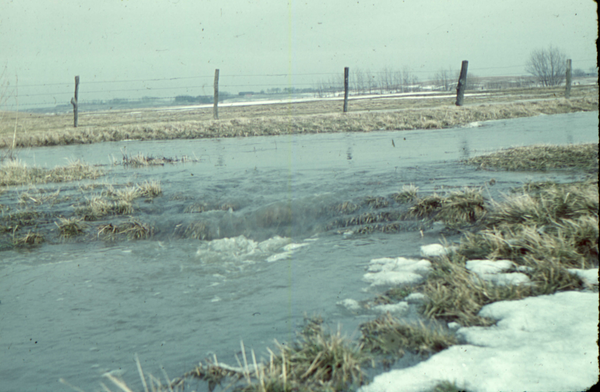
(399, 112)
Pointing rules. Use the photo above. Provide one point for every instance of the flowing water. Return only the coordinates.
(250, 235)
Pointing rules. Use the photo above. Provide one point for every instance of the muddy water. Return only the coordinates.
(248, 238)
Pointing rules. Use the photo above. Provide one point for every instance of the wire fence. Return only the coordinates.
(199, 89)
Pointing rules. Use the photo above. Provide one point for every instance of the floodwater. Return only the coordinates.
(249, 238)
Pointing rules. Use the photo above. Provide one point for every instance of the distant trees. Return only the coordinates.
(386, 81)
(548, 66)
(445, 79)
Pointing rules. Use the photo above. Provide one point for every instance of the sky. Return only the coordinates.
(135, 48)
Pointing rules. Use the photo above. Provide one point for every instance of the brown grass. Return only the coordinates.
(312, 117)
(541, 158)
(389, 336)
(15, 172)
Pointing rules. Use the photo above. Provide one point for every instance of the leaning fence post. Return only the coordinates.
(216, 96)
(75, 102)
(346, 72)
(568, 80)
(462, 83)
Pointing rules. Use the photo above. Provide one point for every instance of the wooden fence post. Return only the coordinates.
(568, 81)
(216, 96)
(462, 83)
(75, 102)
(346, 72)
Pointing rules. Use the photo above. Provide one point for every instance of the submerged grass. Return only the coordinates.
(70, 227)
(143, 160)
(541, 158)
(29, 239)
(15, 172)
(317, 361)
(133, 229)
(455, 209)
(389, 336)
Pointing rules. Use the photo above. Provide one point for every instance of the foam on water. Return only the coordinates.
(243, 250)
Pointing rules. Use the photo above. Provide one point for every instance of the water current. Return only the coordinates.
(249, 236)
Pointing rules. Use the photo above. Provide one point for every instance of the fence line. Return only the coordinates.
(387, 80)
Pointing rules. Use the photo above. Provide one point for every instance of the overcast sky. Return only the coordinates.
(50, 41)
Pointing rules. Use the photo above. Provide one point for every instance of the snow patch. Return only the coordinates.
(436, 250)
(545, 343)
(589, 276)
(397, 271)
(350, 304)
(482, 267)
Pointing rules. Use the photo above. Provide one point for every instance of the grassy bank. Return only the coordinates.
(280, 119)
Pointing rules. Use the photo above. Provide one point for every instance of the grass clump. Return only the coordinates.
(70, 227)
(15, 172)
(149, 189)
(558, 221)
(541, 158)
(317, 361)
(407, 194)
(142, 160)
(29, 239)
(455, 294)
(393, 295)
(98, 206)
(389, 336)
(455, 209)
(132, 230)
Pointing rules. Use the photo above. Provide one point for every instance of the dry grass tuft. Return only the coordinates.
(132, 230)
(557, 221)
(541, 158)
(407, 194)
(29, 239)
(149, 189)
(142, 160)
(455, 209)
(455, 294)
(71, 227)
(15, 172)
(198, 230)
(389, 336)
(318, 361)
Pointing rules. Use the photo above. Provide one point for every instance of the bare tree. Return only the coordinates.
(370, 80)
(408, 79)
(547, 65)
(359, 81)
(443, 78)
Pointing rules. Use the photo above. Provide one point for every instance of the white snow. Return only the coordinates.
(506, 279)
(415, 298)
(482, 267)
(396, 271)
(435, 250)
(545, 343)
(350, 304)
(590, 276)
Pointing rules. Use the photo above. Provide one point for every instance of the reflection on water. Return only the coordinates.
(248, 239)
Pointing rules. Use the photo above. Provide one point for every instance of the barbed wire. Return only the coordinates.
(325, 78)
